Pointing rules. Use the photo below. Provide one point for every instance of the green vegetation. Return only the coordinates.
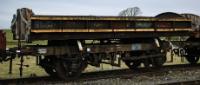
(12, 43)
(29, 60)
(9, 35)
(27, 71)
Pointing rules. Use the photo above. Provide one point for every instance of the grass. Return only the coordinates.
(27, 71)
(34, 69)
(29, 60)
(11, 42)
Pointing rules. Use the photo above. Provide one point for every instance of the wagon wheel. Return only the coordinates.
(50, 71)
(134, 64)
(159, 61)
(49, 66)
(68, 70)
(192, 59)
(146, 62)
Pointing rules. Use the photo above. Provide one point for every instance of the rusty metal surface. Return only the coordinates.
(119, 18)
(110, 30)
(118, 47)
(20, 23)
(2, 41)
(54, 17)
(104, 35)
(195, 23)
(28, 26)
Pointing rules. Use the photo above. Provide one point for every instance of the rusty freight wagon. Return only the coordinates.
(2, 40)
(2, 45)
(76, 41)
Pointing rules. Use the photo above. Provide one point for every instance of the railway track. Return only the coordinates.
(189, 82)
(125, 74)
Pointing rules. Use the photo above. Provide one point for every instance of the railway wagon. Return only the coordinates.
(2, 45)
(2, 40)
(76, 41)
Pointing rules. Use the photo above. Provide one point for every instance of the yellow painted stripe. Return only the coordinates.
(46, 30)
(145, 30)
(75, 30)
(123, 30)
(109, 30)
(184, 19)
(103, 18)
(90, 18)
(100, 30)
(164, 29)
(183, 29)
(175, 29)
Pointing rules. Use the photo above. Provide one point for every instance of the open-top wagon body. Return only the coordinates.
(76, 41)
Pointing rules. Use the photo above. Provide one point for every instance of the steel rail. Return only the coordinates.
(92, 76)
